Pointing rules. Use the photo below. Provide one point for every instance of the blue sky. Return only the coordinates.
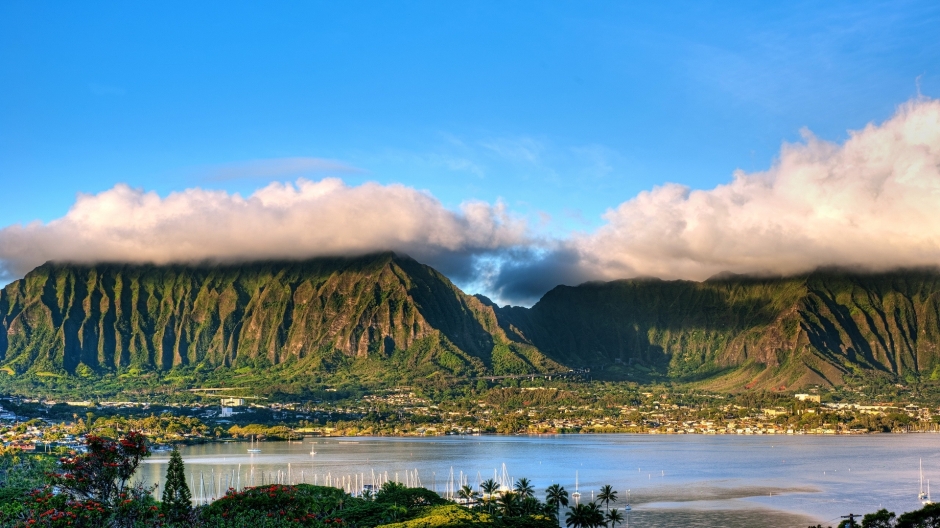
(562, 110)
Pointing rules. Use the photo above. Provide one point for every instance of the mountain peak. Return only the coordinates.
(112, 316)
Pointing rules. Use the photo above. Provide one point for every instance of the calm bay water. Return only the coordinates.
(687, 480)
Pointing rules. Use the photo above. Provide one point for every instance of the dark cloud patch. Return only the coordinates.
(525, 275)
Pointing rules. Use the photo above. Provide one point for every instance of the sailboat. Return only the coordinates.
(253, 449)
(922, 496)
(577, 494)
(504, 480)
(927, 501)
(626, 507)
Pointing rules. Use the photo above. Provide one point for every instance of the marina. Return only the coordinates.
(721, 479)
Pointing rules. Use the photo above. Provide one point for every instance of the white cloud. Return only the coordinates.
(870, 202)
(305, 219)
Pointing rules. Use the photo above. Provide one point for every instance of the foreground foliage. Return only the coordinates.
(94, 490)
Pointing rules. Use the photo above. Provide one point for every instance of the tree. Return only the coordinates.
(607, 495)
(556, 497)
(524, 488)
(468, 494)
(926, 517)
(614, 517)
(880, 519)
(584, 516)
(177, 499)
(489, 487)
(103, 473)
(509, 504)
(595, 516)
(93, 489)
(577, 517)
(395, 493)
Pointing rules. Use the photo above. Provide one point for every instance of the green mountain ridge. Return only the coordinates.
(109, 317)
(742, 331)
(403, 320)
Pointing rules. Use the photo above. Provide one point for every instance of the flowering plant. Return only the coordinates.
(102, 474)
(48, 510)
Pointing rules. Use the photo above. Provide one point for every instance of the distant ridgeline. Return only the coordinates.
(398, 319)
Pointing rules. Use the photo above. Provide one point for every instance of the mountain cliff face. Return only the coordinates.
(104, 318)
(785, 331)
(409, 320)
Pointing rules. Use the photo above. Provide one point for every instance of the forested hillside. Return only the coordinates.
(405, 320)
(769, 332)
(104, 318)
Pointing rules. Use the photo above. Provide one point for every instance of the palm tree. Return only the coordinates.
(574, 518)
(595, 517)
(557, 497)
(468, 494)
(531, 506)
(489, 488)
(509, 504)
(524, 488)
(579, 517)
(607, 495)
(613, 517)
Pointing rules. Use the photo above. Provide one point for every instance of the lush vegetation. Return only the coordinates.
(20, 475)
(94, 489)
(302, 330)
(927, 517)
(378, 319)
(741, 332)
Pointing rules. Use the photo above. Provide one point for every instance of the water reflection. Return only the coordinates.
(672, 480)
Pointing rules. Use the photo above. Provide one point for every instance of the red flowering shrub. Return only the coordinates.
(102, 474)
(45, 509)
(92, 489)
(49, 510)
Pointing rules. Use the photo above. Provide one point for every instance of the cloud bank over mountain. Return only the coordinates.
(870, 202)
(299, 220)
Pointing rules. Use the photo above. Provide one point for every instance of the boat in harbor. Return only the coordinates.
(252, 449)
(577, 494)
(923, 496)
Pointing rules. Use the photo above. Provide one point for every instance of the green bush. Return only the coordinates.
(450, 516)
(362, 513)
(300, 505)
(401, 495)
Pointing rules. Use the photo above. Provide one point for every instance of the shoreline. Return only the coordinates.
(304, 437)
